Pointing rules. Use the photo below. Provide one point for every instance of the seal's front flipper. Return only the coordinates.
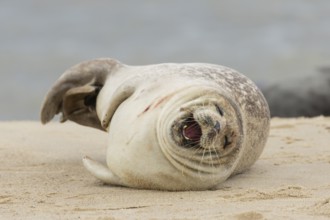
(75, 93)
(101, 172)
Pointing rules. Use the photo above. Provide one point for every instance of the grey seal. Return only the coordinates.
(171, 126)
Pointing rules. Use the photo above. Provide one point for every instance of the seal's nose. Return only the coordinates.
(217, 126)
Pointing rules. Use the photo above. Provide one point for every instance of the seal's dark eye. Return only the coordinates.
(219, 110)
(227, 142)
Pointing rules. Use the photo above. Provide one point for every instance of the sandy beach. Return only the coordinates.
(42, 177)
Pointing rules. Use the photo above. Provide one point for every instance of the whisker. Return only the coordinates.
(201, 161)
(216, 154)
(191, 144)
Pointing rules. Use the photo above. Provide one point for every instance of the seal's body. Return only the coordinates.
(171, 126)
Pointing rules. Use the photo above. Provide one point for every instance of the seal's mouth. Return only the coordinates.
(191, 130)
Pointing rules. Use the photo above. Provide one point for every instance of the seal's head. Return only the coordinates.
(200, 133)
(204, 127)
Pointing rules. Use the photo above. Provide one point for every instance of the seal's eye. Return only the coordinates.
(191, 131)
(227, 142)
(219, 110)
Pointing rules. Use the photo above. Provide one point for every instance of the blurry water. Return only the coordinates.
(265, 40)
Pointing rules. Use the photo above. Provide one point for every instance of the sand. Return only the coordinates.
(42, 177)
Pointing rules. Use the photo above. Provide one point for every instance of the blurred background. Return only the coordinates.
(282, 45)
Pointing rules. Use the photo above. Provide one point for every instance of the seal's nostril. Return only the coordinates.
(217, 126)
